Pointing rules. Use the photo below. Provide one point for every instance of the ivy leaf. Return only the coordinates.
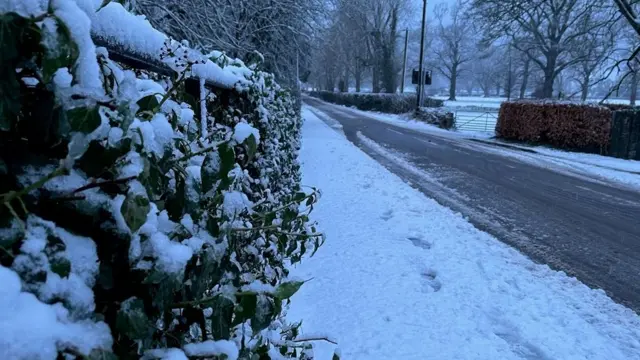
(299, 197)
(64, 54)
(263, 315)
(155, 277)
(210, 170)
(132, 321)
(61, 266)
(84, 119)
(175, 203)
(148, 103)
(246, 308)
(100, 354)
(227, 158)
(221, 318)
(227, 162)
(134, 210)
(287, 289)
(252, 146)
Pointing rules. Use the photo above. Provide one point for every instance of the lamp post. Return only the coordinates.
(404, 63)
(421, 71)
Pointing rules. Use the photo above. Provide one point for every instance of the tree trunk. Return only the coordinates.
(346, 79)
(634, 88)
(525, 79)
(389, 79)
(452, 83)
(584, 87)
(498, 89)
(357, 73)
(549, 75)
(375, 78)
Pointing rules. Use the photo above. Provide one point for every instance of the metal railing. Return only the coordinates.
(476, 121)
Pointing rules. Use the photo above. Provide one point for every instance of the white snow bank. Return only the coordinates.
(31, 329)
(401, 277)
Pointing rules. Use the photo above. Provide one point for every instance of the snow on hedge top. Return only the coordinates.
(114, 24)
(134, 33)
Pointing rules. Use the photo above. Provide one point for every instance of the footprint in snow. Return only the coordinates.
(419, 242)
(434, 284)
(387, 215)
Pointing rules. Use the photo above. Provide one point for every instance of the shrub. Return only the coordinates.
(581, 127)
(436, 116)
(128, 227)
(386, 103)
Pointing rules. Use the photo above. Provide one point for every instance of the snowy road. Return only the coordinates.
(585, 227)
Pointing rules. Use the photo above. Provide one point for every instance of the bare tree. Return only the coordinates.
(595, 53)
(455, 41)
(278, 29)
(363, 36)
(487, 69)
(552, 28)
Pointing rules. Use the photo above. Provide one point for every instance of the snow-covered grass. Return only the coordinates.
(401, 277)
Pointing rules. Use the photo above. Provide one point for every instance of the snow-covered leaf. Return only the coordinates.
(221, 317)
(148, 103)
(134, 210)
(131, 319)
(84, 119)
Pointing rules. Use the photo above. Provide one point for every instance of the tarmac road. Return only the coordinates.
(589, 229)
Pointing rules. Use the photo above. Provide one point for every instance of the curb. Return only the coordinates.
(505, 146)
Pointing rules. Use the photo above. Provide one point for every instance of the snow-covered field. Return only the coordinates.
(401, 277)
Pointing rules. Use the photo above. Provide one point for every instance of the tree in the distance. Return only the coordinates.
(552, 29)
(454, 42)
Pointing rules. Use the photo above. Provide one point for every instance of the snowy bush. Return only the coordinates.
(436, 116)
(132, 227)
(386, 103)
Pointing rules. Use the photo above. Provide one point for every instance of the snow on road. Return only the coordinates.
(401, 277)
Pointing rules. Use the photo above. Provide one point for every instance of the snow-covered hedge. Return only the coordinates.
(436, 116)
(386, 103)
(130, 225)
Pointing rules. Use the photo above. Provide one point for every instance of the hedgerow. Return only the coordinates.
(386, 103)
(137, 220)
(581, 127)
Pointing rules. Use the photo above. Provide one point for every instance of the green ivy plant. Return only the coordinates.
(193, 230)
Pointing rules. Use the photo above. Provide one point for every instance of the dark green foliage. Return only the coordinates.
(183, 229)
(386, 103)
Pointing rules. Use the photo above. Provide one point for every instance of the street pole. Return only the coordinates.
(404, 64)
(509, 78)
(421, 84)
